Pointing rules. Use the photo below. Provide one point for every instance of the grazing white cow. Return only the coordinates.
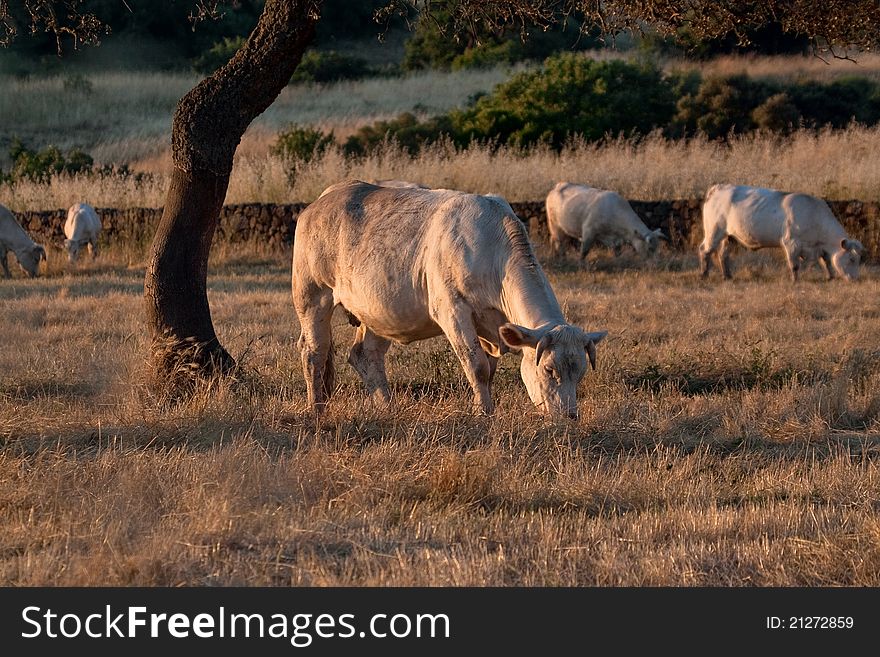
(589, 215)
(14, 238)
(81, 229)
(757, 218)
(408, 264)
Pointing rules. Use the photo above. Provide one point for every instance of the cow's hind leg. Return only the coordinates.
(712, 241)
(314, 307)
(457, 324)
(557, 237)
(367, 357)
(724, 258)
(705, 259)
(793, 254)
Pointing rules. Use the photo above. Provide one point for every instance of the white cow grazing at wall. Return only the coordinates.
(14, 238)
(589, 215)
(408, 264)
(756, 217)
(81, 229)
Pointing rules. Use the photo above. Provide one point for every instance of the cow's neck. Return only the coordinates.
(527, 304)
(16, 239)
(526, 296)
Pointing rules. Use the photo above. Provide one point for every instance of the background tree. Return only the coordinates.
(211, 119)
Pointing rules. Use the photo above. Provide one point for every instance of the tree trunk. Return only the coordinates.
(207, 128)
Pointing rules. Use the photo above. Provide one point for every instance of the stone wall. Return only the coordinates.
(274, 224)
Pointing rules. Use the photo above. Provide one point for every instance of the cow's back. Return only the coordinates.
(82, 222)
(382, 249)
(754, 216)
(574, 205)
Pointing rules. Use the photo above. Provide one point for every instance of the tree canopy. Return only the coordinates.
(833, 25)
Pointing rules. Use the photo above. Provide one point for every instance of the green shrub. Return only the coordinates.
(406, 130)
(329, 66)
(298, 143)
(777, 114)
(721, 106)
(40, 166)
(487, 55)
(217, 55)
(838, 103)
(571, 95)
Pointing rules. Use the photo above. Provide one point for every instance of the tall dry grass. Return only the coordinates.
(830, 164)
(834, 165)
(729, 437)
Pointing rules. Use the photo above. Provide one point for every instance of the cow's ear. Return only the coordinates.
(519, 336)
(490, 348)
(590, 342)
(851, 245)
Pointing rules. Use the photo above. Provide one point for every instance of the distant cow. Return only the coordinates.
(14, 238)
(802, 225)
(81, 229)
(408, 264)
(589, 215)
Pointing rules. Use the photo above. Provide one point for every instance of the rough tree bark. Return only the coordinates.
(207, 128)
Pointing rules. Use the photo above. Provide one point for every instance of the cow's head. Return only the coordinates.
(554, 362)
(29, 259)
(649, 242)
(847, 258)
(73, 248)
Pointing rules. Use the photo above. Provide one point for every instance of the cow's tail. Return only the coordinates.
(710, 192)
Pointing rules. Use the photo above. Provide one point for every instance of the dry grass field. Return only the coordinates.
(731, 436)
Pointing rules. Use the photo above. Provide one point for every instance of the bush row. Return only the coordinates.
(573, 96)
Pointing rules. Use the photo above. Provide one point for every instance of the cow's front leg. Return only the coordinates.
(493, 367)
(827, 267)
(588, 238)
(457, 324)
(4, 261)
(367, 357)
